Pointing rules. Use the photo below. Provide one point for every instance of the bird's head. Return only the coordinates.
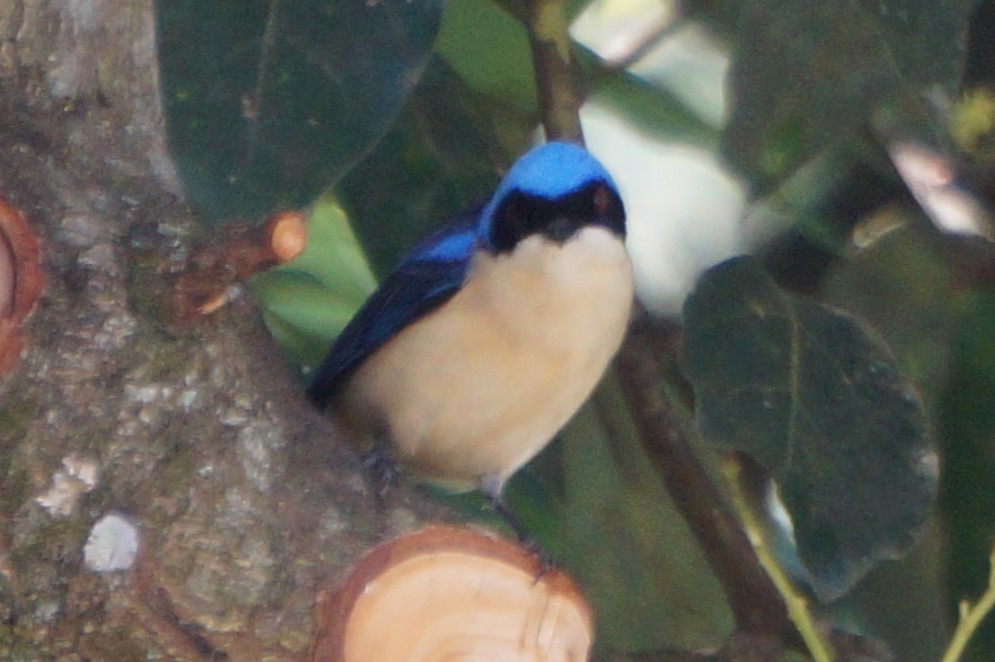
(553, 191)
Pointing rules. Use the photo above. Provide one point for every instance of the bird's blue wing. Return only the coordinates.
(425, 280)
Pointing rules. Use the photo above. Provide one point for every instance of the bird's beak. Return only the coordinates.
(561, 229)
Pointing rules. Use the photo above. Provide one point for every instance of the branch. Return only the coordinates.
(797, 605)
(553, 61)
(559, 100)
(664, 430)
(242, 251)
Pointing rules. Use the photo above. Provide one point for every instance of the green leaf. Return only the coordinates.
(490, 51)
(268, 103)
(445, 153)
(906, 289)
(308, 302)
(815, 397)
(807, 74)
(333, 255)
(304, 350)
(925, 39)
(304, 303)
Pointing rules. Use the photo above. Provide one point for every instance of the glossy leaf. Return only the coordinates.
(815, 397)
(807, 74)
(269, 102)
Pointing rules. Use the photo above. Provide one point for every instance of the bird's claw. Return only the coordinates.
(546, 562)
(383, 469)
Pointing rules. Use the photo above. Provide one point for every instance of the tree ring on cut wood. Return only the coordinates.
(445, 593)
(21, 280)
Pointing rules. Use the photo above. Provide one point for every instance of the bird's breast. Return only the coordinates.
(472, 391)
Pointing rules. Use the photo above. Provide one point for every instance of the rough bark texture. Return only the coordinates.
(244, 499)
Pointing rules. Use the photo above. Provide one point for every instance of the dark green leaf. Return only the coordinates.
(805, 74)
(812, 395)
(904, 287)
(445, 153)
(269, 102)
(926, 39)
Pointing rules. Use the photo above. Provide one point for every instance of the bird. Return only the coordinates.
(490, 335)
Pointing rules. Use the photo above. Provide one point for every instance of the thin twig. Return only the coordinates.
(240, 252)
(553, 61)
(797, 604)
(971, 617)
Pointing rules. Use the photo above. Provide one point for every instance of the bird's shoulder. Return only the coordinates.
(428, 277)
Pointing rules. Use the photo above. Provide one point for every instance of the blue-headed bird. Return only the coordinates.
(489, 336)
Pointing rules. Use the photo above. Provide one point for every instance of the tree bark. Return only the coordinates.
(245, 500)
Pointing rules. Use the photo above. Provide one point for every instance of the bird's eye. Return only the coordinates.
(601, 200)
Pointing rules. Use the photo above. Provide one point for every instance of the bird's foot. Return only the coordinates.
(383, 470)
(546, 562)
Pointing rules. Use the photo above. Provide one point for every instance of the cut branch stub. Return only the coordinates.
(243, 251)
(446, 593)
(21, 281)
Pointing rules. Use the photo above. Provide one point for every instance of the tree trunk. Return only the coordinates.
(244, 500)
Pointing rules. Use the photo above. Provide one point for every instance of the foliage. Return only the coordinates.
(271, 104)
(804, 390)
(808, 76)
